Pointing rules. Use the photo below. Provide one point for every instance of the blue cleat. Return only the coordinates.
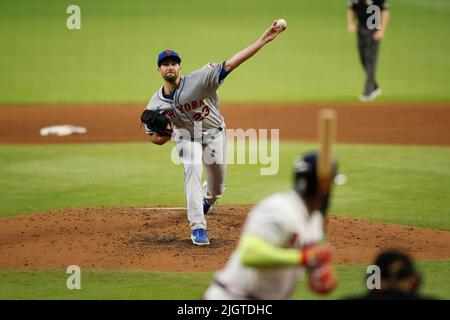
(206, 206)
(199, 237)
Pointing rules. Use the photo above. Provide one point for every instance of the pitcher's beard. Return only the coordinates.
(170, 78)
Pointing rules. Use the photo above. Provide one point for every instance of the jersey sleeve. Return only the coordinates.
(352, 4)
(213, 75)
(269, 223)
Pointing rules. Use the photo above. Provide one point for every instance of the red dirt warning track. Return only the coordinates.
(419, 124)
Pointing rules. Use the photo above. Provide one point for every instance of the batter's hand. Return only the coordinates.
(315, 256)
(272, 32)
(322, 280)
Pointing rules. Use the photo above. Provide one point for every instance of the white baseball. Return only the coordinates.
(281, 23)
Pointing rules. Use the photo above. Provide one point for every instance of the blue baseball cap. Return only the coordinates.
(168, 53)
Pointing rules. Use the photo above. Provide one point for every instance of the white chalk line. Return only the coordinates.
(168, 208)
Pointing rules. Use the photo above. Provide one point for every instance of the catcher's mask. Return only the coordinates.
(306, 181)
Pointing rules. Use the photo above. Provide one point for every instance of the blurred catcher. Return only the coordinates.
(281, 241)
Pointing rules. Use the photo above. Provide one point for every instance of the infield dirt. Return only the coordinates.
(159, 239)
(419, 124)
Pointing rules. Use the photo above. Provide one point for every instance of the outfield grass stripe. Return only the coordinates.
(396, 184)
(111, 59)
(123, 284)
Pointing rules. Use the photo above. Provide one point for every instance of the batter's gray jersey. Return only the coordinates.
(194, 101)
(283, 221)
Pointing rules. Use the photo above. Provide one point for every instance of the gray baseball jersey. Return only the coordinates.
(195, 100)
(283, 221)
(194, 103)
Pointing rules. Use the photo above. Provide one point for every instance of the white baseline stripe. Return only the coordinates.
(168, 208)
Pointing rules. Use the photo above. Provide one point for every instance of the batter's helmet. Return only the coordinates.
(305, 176)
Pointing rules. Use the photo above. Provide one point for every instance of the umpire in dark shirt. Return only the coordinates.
(372, 16)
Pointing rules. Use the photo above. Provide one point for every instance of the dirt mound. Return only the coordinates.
(159, 239)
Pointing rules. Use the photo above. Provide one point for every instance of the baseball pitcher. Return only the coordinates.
(186, 108)
(280, 241)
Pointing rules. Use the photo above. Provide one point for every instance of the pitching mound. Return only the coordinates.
(159, 239)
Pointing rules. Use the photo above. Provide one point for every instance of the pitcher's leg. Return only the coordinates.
(190, 154)
(215, 182)
(194, 197)
(215, 167)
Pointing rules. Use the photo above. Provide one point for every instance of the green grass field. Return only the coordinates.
(114, 284)
(112, 58)
(387, 183)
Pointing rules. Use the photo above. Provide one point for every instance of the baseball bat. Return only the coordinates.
(327, 135)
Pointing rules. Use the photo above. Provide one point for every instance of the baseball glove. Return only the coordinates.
(157, 122)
